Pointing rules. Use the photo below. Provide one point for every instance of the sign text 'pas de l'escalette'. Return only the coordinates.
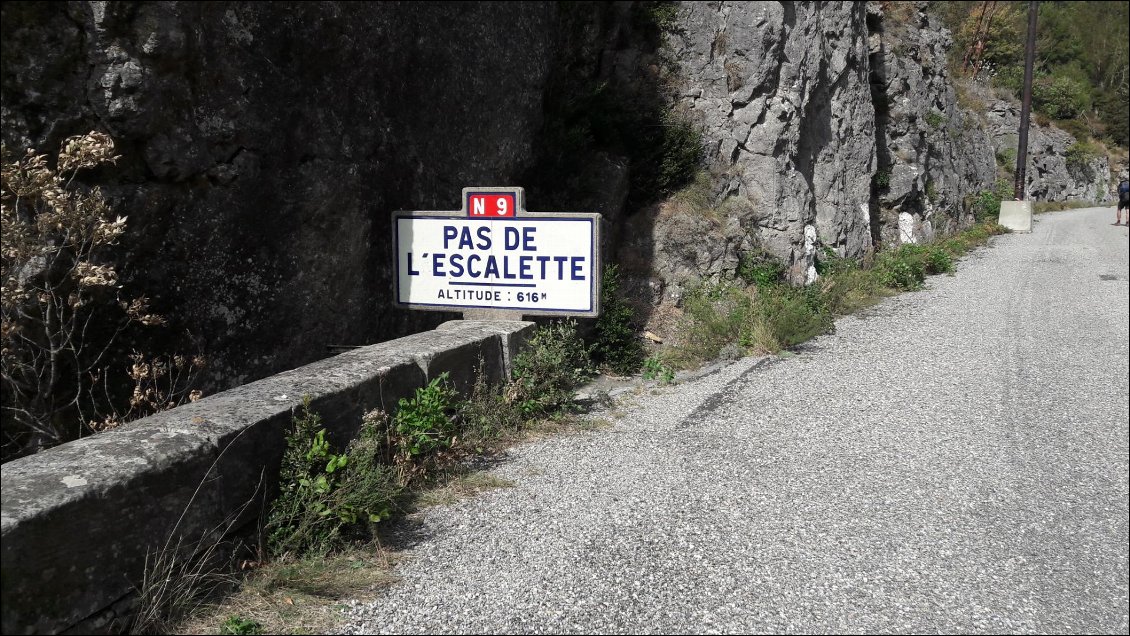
(493, 254)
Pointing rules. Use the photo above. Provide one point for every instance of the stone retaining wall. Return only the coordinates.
(78, 520)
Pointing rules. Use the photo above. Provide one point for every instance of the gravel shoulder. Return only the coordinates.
(953, 460)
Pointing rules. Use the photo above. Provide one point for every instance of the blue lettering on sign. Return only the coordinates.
(493, 266)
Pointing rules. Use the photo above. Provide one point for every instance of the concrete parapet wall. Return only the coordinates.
(78, 520)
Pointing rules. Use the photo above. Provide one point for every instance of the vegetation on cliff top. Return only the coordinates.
(1082, 59)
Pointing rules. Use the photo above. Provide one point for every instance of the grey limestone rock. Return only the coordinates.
(1052, 174)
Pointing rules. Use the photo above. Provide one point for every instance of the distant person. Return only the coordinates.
(1123, 202)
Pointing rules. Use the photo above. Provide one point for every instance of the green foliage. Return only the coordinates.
(987, 203)
(240, 626)
(424, 421)
(655, 19)
(1082, 57)
(1006, 159)
(1079, 158)
(906, 268)
(654, 369)
(616, 344)
(784, 316)
(326, 498)
(548, 371)
(713, 318)
(490, 412)
(883, 178)
(760, 268)
(934, 119)
(1060, 97)
(931, 191)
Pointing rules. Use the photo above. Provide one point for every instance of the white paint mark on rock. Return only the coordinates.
(810, 274)
(906, 228)
(73, 481)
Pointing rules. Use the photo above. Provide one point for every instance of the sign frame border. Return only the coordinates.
(595, 280)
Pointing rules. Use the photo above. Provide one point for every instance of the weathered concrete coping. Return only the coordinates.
(77, 520)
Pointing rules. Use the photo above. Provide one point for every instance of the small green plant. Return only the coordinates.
(547, 373)
(931, 191)
(883, 178)
(1006, 159)
(784, 316)
(713, 314)
(987, 203)
(653, 369)
(761, 269)
(934, 119)
(616, 344)
(424, 421)
(326, 498)
(240, 626)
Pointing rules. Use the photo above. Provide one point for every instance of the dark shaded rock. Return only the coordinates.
(265, 145)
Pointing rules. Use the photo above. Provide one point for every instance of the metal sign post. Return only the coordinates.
(493, 259)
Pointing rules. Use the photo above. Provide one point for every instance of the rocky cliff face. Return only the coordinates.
(782, 96)
(826, 126)
(932, 153)
(264, 146)
(1058, 169)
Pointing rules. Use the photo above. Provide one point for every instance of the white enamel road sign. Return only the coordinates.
(493, 254)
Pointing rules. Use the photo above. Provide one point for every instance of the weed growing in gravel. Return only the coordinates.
(551, 367)
(653, 369)
(240, 626)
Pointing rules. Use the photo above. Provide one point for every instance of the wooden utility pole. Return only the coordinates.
(1020, 184)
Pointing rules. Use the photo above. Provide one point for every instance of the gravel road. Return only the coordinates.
(952, 460)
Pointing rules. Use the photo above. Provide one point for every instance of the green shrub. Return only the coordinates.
(713, 317)
(490, 412)
(241, 626)
(987, 203)
(616, 344)
(548, 371)
(1060, 97)
(784, 316)
(325, 498)
(1079, 157)
(883, 178)
(760, 268)
(900, 269)
(1006, 159)
(654, 369)
(424, 422)
(934, 119)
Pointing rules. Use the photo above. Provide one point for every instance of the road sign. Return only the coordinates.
(495, 255)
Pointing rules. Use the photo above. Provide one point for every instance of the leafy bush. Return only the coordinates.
(326, 498)
(934, 119)
(654, 369)
(761, 269)
(987, 203)
(883, 178)
(423, 423)
(784, 316)
(238, 626)
(1060, 97)
(713, 317)
(616, 344)
(551, 367)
